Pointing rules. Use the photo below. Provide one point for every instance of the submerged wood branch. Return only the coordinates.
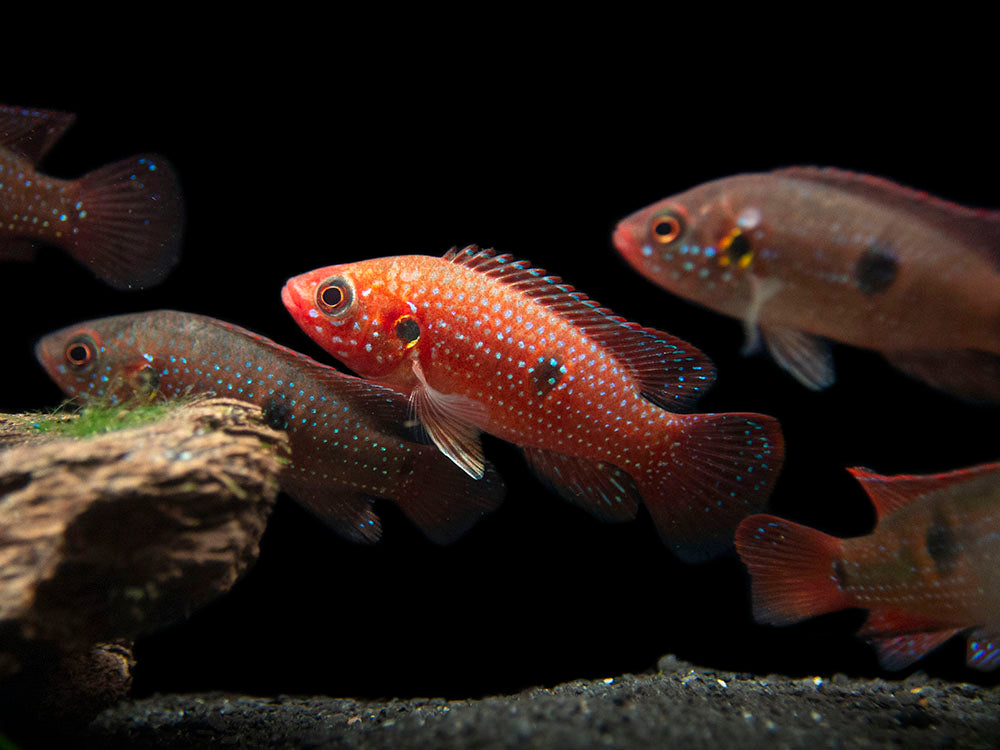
(106, 538)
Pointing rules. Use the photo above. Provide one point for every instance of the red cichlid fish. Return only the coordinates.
(122, 221)
(482, 342)
(929, 570)
(347, 436)
(803, 255)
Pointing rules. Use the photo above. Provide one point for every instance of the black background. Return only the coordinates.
(285, 169)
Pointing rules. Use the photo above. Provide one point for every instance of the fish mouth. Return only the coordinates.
(44, 356)
(291, 293)
(624, 240)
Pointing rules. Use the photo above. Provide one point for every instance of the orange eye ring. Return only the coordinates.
(335, 296)
(79, 352)
(666, 227)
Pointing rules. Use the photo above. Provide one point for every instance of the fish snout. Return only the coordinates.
(624, 240)
(292, 295)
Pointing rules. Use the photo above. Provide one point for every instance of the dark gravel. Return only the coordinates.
(680, 706)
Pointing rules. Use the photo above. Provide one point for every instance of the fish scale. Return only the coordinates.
(484, 342)
(348, 439)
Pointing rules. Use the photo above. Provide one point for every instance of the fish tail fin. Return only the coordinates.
(793, 569)
(707, 473)
(127, 221)
(444, 501)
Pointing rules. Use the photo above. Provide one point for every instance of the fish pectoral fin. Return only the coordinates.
(900, 651)
(450, 420)
(808, 358)
(761, 290)
(983, 650)
(601, 489)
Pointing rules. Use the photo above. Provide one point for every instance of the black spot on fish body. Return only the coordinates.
(942, 545)
(407, 329)
(876, 269)
(147, 381)
(546, 374)
(276, 414)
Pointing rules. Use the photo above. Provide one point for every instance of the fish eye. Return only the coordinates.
(335, 296)
(80, 351)
(666, 227)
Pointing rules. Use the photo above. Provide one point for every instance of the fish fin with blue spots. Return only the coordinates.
(450, 421)
(127, 221)
(900, 651)
(806, 357)
(444, 501)
(30, 132)
(982, 651)
(707, 472)
(670, 372)
(603, 490)
(349, 514)
(968, 374)
(789, 566)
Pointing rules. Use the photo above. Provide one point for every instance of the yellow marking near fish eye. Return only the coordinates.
(735, 245)
(408, 330)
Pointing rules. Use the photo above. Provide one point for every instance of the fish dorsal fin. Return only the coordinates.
(671, 373)
(32, 132)
(890, 493)
(979, 228)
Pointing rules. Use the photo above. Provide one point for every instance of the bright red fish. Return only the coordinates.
(804, 255)
(482, 342)
(930, 569)
(347, 436)
(123, 221)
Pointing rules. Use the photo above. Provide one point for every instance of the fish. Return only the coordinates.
(349, 443)
(124, 221)
(481, 342)
(806, 256)
(928, 571)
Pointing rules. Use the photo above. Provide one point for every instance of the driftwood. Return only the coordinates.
(106, 538)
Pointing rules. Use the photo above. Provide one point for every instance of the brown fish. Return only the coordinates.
(123, 221)
(929, 570)
(805, 255)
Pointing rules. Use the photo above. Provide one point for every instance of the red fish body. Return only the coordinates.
(805, 255)
(123, 221)
(481, 342)
(930, 569)
(348, 442)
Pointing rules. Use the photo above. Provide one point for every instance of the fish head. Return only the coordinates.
(360, 313)
(699, 244)
(100, 360)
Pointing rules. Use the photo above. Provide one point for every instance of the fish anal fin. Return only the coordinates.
(900, 651)
(348, 513)
(792, 568)
(444, 501)
(968, 374)
(807, 357)
(706, 474)
(30, 132)
(890, 493)
(451, 423)
(671, 373)
(982, 651)
(603, 490)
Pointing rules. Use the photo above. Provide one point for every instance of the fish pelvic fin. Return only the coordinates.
(983, 649)
(792, 568)
(900, 651)
(705, 474)
(127, 221)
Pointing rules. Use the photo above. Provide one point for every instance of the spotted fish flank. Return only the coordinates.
(123, 221)
(930, 569)
(348, 441)
(804, 256)
(485, 343)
